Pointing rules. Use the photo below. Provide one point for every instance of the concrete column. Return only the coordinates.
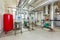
(46, 9)
(36, 15)
(42, 18)
(39, 18)
(1, 15)
(52, 14)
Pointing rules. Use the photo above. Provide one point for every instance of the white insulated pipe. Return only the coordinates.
(45, 3)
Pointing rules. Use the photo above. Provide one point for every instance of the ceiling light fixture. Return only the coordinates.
(29, 1)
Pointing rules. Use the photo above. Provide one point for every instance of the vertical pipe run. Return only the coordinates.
(51, 15)
(46, 9)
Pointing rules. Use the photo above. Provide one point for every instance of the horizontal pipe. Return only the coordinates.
(51, 20)
(19, 3)
(45, 3)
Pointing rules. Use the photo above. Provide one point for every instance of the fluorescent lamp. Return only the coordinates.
(29, 1)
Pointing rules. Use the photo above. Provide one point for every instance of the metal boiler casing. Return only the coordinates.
(7, 22)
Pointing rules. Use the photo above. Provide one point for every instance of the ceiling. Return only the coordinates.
(34, 4)
(57, 3)
(11, 3)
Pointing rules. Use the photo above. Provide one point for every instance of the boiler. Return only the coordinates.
(7, 22)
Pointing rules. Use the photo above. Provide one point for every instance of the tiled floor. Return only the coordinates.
(37, 34)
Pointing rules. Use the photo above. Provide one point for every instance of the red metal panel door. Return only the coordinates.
(8, 22)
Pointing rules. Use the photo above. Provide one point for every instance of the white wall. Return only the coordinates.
(1, 14)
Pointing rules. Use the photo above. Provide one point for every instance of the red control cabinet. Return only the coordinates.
(7, 22)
